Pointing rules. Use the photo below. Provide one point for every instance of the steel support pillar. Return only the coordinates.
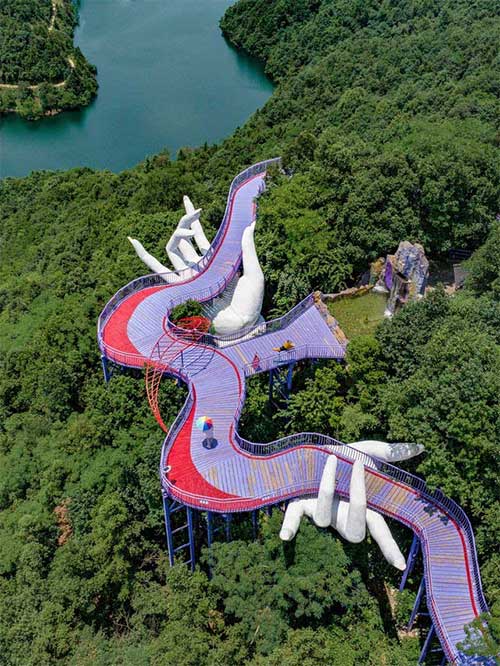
(190, 524)
(416, 605)
(213, 529)
(227, 526)
(410, 561)
(210, 528)
(283, 381)
(170, 507)
(289, 377)
(168, 530)
(255, 523)
(105, 368)
(427, 643)
(271, 384)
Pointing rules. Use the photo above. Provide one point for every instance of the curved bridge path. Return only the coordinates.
(237, 475)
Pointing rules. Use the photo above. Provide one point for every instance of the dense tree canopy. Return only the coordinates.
(384, 114)
(40, 69)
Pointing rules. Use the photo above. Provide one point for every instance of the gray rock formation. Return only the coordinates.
(404, 275)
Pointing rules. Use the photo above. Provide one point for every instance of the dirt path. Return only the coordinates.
(53, 16)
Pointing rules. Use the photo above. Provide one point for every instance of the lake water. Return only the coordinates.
(167, 79)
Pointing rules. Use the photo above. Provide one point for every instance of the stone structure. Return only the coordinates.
(403, 275)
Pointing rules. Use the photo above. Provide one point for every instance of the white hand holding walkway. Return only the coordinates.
(351, 517)
(246, 304)
(199, 235)
(179, 248)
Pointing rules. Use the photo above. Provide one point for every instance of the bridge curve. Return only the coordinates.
(238, 475)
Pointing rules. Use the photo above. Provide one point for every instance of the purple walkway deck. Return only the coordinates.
(239, 475)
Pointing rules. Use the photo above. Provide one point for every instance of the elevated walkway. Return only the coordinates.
(237, 475)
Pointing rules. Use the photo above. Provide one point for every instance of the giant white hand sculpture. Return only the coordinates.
(148, 259)
(179, 248)
(199, 234)
(246, 303)
(350, 518)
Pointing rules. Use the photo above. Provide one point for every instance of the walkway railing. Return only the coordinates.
(180, 277)
(433, 495)
(288, 356)
(261, 328)
(175, 427)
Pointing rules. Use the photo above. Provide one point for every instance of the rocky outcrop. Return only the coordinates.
(403, 275)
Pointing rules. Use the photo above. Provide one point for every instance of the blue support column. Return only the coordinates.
(271, 383)
(190, 524)
(210, 528)
(289, 377)
(410, 561)
(255, 523)
(416, 605)
(427, 643)
(105, 369)
(168, 530)
(227, 525)
(282, 376)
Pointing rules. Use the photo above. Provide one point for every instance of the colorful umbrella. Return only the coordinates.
(204, 423)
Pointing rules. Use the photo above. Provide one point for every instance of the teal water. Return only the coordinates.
(167, 79)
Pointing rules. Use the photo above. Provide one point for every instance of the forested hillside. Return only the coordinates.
(40, 69)
(385, 114)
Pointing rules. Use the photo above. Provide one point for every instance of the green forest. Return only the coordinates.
(41, 72)
(386, 116)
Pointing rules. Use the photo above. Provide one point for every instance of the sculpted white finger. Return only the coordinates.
(174, 254)
(187, 251)
(147, 258)
(179, 247)
(356, 517)
(199, 235)
(246, 304)
(324, 505)
(390, 452)
(293, 513)
(382, 535)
